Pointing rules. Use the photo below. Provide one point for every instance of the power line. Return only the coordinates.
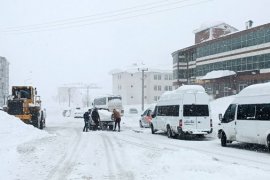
(93, 17)
(85, 17)
(98, 21)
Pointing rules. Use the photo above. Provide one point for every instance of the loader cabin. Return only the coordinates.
(26, 92)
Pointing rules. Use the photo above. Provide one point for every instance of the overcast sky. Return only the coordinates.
(78, 49)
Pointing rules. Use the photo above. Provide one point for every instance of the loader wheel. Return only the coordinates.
(36, 122)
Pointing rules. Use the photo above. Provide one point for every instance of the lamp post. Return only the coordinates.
(143, 70)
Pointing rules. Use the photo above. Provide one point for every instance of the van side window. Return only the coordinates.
(229, 114)
(263, 112)
(246, 112)
(172, 110)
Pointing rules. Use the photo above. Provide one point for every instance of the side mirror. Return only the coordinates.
(220, 117)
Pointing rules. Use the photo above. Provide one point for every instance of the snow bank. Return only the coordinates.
(13, 133)
(217, 74)
(13, 128)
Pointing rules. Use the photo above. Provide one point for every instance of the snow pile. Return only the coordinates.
(13, 128)
(217, 74)
(13, 133)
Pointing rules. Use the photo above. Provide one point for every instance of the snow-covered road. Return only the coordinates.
(133, 153)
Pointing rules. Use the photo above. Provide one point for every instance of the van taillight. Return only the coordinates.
(180, 123)
(211, 123)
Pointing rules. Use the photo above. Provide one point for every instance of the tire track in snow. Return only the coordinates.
(113, 161)
(66, 163)
(245, 161)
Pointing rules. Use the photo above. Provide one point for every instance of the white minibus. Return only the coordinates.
(183, 111)
(247, 119)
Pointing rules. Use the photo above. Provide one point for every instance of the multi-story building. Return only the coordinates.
(128, 84)
(245, 53)
(4, 80)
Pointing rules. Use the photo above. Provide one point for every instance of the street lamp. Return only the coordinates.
(143, 70)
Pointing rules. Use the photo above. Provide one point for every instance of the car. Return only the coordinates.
(78, 113)
(133, 111)
(146, 118)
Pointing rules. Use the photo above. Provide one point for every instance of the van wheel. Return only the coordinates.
(152, 129)
(169, 132)
(141, 126)
(223, 139)
(268, 142)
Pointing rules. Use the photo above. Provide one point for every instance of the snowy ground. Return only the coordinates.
(63, 151)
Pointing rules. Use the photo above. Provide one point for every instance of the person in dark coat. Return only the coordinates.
(117, 119)
(95, 117)
(86, 117)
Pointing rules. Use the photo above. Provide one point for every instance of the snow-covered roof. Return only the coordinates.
(135, 68)
(217, 74)
(209, 25)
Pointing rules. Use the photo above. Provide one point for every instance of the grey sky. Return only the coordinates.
(87, 53)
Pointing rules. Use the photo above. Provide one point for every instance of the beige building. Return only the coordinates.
(128, 84)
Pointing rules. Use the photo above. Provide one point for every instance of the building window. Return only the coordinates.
(155, 77)
(131, 74)
(166, 88)
(131, 86)
(170, 88)
(156, 98)
(155, 87)
(159, 77)
(159, 88)
(166, 77)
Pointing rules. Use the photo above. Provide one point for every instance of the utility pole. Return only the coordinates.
(69, 89)
(143, 70)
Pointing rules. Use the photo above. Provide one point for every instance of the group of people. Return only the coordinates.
(96, 119)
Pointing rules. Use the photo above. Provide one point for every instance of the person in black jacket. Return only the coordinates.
(95, 117)
(86, 117)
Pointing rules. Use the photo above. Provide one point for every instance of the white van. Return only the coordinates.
(183, 111)
(247, 119)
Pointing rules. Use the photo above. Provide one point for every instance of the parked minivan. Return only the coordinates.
(247, 119)
(184, 111)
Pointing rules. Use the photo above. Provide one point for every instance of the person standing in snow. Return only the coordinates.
(86, 117)
(117, 119)
(95, 117)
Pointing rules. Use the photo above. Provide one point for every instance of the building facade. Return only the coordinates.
(247, 53)
(128, 84)
(4, 80)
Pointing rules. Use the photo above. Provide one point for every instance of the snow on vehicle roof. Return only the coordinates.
(217, 74)
(256, 89)
(181, 90)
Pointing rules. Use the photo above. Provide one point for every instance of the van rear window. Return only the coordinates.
(196, 110)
